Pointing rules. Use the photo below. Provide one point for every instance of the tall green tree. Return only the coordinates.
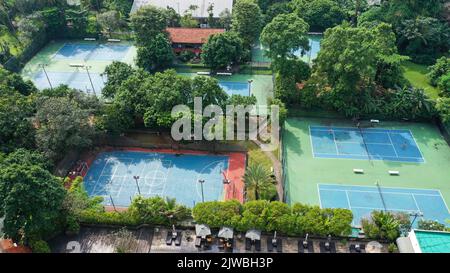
(350, 60)
(164, 91)
(247, 21)
(222, 49)
(257, 181)
(31, 200)
(116, 73)
(423, 38)
(319, 14)
(285, 35)
(147, 23)
(16, 129)
(156, 55)
(62, 125)
(209, 90)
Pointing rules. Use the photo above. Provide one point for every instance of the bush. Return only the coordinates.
(275, 216)
(72, 226)
(444, 85)
(430, 225)
(383, 225)
(92, 216)
(186, 56)
(157, 211)
(40, 246)
(217, 214)
(440, 68)
(392, 248)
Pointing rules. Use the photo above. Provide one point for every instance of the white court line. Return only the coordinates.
(386, 131)
(348, 199)
(417, 145)
(410, 157)
(389, 135)
(318, 192)
(388, 209)
(311, 142)
(415, 202)
(442, 197)
(384, 192)
(101, 174)
(389, 187)
(335, 144)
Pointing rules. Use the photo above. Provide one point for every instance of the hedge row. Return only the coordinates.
(151, 211)
(275, 216)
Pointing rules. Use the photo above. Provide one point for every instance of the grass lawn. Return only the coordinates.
(257, 156)
(416, 74)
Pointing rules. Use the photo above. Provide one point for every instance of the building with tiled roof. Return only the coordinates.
(191, 39)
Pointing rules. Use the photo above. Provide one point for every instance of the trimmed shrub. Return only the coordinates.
(217, 214)
(40, 246)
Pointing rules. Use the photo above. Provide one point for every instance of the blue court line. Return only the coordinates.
(367, 143)
(362, 200)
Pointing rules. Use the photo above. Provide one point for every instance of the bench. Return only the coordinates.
(203, 73)
(113, 40)
(224, 74)
(394, 173)
(359, 171)
(89, 39)
(76, 65)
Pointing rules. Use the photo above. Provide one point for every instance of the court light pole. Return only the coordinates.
(250, 86)
(415, 214)
(136, 178)
(201, 181)
(89, 76)
(46, 75)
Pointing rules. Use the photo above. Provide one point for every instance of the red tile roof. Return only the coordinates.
(192, 35)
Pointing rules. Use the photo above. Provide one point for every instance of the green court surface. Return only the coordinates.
(58, 56)
(261, 85)
(304, 172)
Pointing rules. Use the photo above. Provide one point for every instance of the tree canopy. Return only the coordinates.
(222, 49)
(247, 21)
(285, 35)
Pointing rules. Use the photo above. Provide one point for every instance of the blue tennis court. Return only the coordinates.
(235, 88)
(95, 52)
(364, 143)
(362, 200)
(160, 174)
(78, 80)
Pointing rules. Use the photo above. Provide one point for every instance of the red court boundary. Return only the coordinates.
(234, 173)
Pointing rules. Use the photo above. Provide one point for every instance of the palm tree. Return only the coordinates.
(258, 180)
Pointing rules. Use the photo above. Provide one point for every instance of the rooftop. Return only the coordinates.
(182, 6)
(192, 35)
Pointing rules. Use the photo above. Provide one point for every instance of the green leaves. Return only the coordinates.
(31, 201)
(222, 50)
(147, 23)
(274, 216)
(258, 181)
(64, 124)
(383, 225)
(247, 21)
(285, 35)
